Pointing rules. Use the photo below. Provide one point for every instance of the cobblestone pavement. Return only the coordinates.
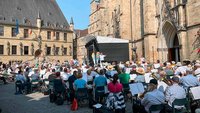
(34, 103)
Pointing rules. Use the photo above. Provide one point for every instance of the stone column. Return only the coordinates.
(184, 50)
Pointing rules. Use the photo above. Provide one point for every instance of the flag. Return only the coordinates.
(17, 27)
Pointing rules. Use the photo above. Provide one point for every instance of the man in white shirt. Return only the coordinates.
(65, 75)
(174, 92)
(101, 58)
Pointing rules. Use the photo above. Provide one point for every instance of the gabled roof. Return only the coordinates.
(49, 11)
(81, 33)
(103, 39)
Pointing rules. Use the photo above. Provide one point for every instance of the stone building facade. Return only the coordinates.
(157, 29)
(40, 24)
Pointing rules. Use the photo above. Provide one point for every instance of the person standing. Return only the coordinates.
(71, 82)
(20, 80)
(101, 58)
(97, 57)
(94, 58)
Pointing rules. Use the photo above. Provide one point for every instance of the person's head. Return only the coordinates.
(57, 74)
(162, 74)
(35, 70)
(61, 68)
(189, 70)
(75, 73)
(19, 72)
(140, 71)
(101, 72)
(175, 79)
(65, 70)
(53, 70)
(88, 71)
(197, 65)
(149, 68)
(115, 78)
(152, 85)
(178, 64)
(27, 69)
(79, 74)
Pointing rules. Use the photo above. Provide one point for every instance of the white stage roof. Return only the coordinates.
(101, 39)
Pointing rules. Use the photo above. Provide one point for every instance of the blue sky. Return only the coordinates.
(78, 9)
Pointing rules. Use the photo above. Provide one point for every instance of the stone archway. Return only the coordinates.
(169, 42)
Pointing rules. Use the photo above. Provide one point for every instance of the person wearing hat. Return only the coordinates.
(71, 80)
(140, 75)
(175, 91)
(180, 70)
(153, 96)
(189, 80)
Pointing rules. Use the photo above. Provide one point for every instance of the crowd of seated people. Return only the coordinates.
(164, 82)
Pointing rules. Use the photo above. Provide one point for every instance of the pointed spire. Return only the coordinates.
(72, 21)
(39, 17)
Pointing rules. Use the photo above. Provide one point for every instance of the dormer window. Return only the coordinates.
(2, 18)
(13, 19)
(57, 25)
(49, 13)
(48, 24)
(18, 8)
(25, 21)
